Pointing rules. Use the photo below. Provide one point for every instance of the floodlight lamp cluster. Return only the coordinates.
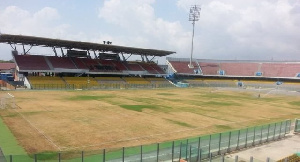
(194, 13)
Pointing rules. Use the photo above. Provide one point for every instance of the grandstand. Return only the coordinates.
(235, 68)
(75, 64)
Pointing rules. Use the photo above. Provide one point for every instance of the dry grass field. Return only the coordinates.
(93, 120)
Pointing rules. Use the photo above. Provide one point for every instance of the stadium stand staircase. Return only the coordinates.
(48, 62)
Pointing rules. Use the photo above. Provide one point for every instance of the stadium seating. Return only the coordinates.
(134, 66)
(182, 67)
(46, 82)
(157, 68)
(31, 62)
(119, 65)
(135, 80)
(148, 67)
(102, 80)
(78, 62)
(81, 82)
(61, 62)
(209, 68)
(280, 69)
(239, 69)
(157, 80)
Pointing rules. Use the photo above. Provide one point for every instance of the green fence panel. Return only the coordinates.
(75, 156)
(250, 136)
(133, 153)
(204, 145)
(214, 144)
(22, 158)
(288, 126)
(224, 142)
(297, 125)
(176, 150)
(150, 152)
(165, 151)
(233, 143)
(49, 157)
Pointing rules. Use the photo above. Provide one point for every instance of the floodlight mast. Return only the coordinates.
(193, 16)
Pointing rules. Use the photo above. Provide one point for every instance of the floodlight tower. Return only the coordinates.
(193, 16)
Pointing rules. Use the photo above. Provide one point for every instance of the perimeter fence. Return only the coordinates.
(192, 149)
(100, 86)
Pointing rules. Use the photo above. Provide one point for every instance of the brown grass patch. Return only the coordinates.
(93, 120)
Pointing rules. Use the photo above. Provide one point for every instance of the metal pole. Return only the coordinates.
(180, 151)
(59, 156)
(209, 144)
(268, 159)
(10, 158)
(261, 134)
(251, 159)
(274, 131)
(103, 155)
(236, 158)
(246, 137)
(191, 65)
(82, 156)
(253, 142)
(123, 154)
(141, 153)
(220, 138)
(285, 128)
(157, 152)
(186, 148)
(238, 142)
(172, 151)
(190, 154)
(280, 130)
(35, 158)
(228, 148)
(268, 132)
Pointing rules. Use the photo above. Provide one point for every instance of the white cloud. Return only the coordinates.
(45, 22)
(145, 29)
(247, 29)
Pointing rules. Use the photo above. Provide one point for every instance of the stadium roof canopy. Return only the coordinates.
(68, 44)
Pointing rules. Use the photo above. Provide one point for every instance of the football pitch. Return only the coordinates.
(49, 121)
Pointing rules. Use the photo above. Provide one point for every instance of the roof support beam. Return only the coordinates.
(94, 54)
(62, 52)
(54, 50)
(128, 57)
(24, 52)
(152, 58)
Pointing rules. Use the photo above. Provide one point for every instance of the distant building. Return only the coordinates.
(7, 67)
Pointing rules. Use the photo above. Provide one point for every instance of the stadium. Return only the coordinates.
(88, 102)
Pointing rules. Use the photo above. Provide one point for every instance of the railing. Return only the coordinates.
(192, 149)
(100, 86)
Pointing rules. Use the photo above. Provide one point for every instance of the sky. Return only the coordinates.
(227, 29)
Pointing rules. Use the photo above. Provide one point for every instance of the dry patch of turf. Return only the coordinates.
(139, 108)
(93, 120)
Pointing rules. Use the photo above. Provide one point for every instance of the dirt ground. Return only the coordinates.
(275, 150)
(93, 120)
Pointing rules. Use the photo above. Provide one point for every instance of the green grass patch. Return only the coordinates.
(8, 142)
(139, 108)
(81, 97)
(224, 127)
(215, 103)
(180, 123)
(294, 103)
